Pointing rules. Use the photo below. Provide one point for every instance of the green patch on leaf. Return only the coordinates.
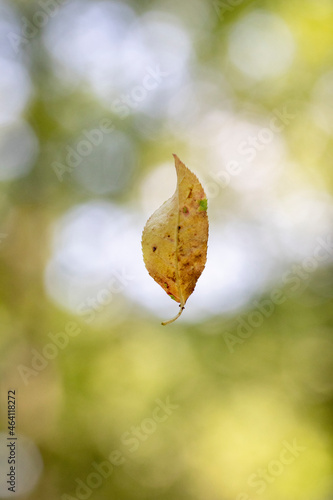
(173, 298)
(203, 205)
(185, 210)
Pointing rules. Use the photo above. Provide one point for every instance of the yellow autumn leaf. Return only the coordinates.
(174, 240)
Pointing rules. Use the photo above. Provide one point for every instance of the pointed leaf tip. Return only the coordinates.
(174, 240)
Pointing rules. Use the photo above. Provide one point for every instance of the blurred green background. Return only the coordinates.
(234, 400)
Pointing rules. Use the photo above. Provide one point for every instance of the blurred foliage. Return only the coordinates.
(235, 410)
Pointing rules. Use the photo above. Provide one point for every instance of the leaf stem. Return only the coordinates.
(176, 317)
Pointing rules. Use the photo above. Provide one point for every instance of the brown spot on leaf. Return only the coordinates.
(183, 255)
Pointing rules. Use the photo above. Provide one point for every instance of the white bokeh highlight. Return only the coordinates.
(15, 89)
(249, 249)
(261, 45)
(109, 47)
(29, 466)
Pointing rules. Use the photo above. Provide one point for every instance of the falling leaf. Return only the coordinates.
(174, 240)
